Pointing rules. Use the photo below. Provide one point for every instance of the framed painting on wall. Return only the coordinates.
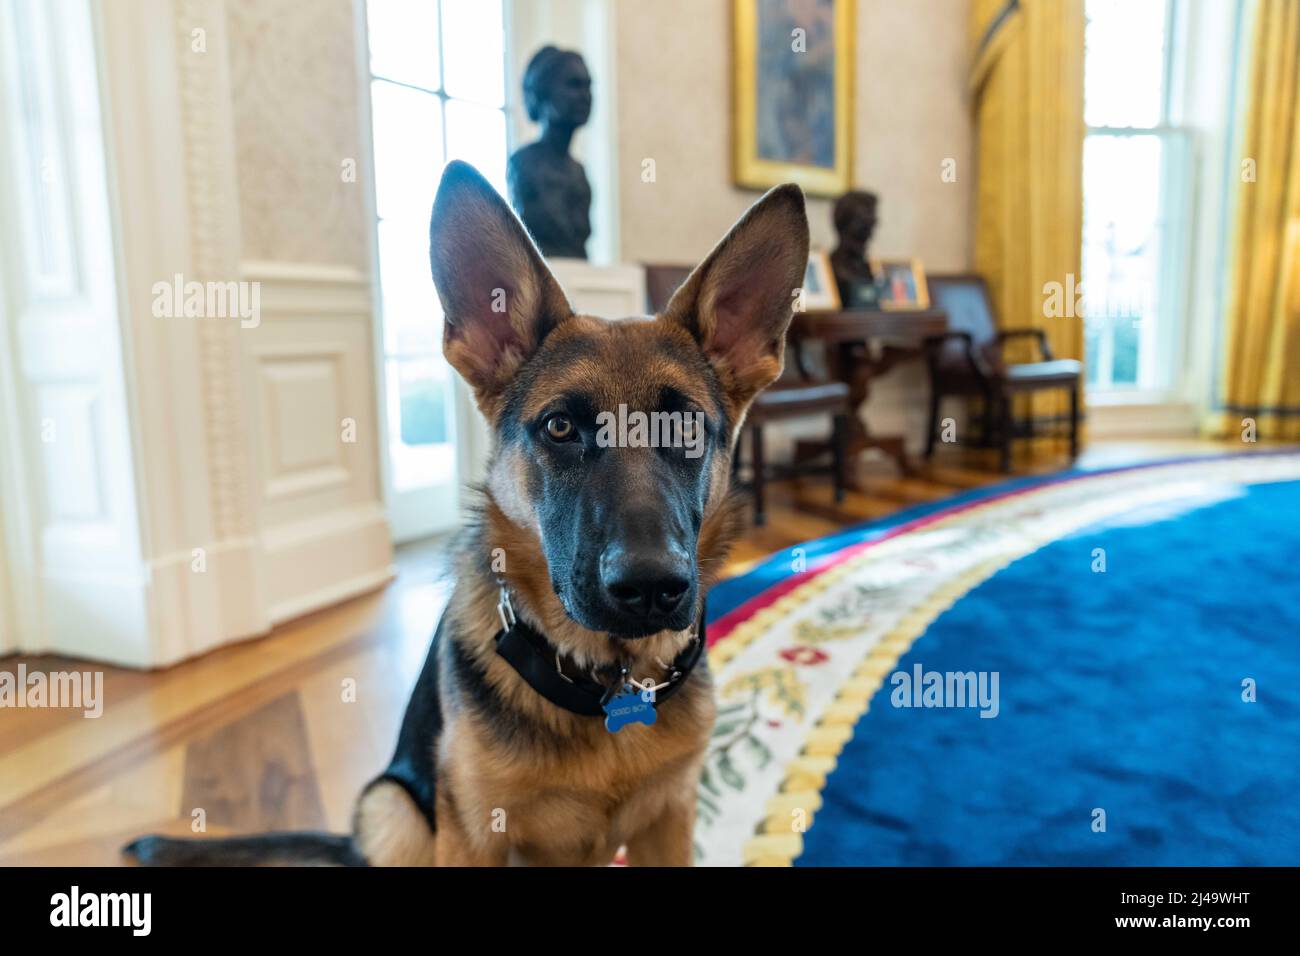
(792, 94)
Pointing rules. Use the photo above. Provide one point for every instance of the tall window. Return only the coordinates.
(1135, 195)
(437, 93)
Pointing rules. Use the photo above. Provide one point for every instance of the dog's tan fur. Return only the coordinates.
(578, 797)
(577, 803)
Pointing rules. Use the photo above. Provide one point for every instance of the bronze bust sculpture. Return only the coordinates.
(547, 186)
(855, 221)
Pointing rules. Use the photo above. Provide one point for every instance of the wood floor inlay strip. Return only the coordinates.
(25, 804)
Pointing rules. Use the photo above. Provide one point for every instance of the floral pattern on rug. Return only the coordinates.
(794, 676)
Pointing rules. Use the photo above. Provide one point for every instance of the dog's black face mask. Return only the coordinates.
(613, 438)
(617, 457)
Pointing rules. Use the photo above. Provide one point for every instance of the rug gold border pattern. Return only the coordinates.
(778, 840)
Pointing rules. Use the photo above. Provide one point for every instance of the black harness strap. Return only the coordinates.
(534, 659)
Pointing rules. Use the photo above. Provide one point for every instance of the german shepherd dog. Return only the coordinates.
(580, 586)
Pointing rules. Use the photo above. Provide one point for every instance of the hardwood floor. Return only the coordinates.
(798, 510)
(281, 732)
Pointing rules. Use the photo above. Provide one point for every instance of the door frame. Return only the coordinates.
(19, 584)
(425, 511)
(16, 607)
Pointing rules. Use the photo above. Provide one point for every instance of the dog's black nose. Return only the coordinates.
(649, 587)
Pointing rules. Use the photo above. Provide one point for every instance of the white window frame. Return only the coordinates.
(432, 509)
(1162, 341)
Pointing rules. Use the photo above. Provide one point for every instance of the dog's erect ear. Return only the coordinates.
(739, 300)
(499, 298)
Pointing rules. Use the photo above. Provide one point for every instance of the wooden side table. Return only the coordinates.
(847, 336)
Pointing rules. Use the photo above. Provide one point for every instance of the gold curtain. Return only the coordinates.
(1260, 375)
(1026, 86)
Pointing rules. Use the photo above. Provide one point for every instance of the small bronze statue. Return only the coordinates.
(548, 187)
(855, 221)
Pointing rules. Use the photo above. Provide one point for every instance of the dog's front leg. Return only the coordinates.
(667, 840)
(458, 847)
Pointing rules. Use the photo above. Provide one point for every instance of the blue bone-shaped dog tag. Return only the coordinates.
(629, 706)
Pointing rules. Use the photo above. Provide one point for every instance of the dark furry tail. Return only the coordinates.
(267, 849)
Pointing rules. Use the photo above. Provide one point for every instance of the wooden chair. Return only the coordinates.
(797, 393)
(968, 360)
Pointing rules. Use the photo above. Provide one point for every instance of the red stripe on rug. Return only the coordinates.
(724, 625)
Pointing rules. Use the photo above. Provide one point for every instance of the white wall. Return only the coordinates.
(662, 89)
(673, 62)
(673, 59)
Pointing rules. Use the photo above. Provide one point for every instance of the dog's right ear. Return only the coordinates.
(499, 298)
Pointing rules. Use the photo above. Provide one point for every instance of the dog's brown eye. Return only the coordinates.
(560, 428)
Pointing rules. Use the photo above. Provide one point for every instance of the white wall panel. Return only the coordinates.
(254, 507)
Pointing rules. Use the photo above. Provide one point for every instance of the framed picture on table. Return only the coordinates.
(901, 283)
(819, 290)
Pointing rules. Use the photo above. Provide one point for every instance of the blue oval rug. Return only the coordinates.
(1125, 731)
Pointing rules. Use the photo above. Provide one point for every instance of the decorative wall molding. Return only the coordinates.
(292, 288)
(271, 270)
(259, 507)
(1141, 420)
(247, 587)
(213, 198)
(8, 625)
(325, 559)
(611, 292)
(323, 531)
(194, 611)
(18, 611)
(300, 387)
(144, 105)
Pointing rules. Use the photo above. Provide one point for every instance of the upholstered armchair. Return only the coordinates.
(968, 361)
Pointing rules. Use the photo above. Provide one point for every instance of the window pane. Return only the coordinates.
(477, 134)
(404, 40)
(1124, 355)
(1092, 352)
(412, 314)
(1121, 249)
(474, 47)
(1124, 62)
(419, 404)
(408, 150)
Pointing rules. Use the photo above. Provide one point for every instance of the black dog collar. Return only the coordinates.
(537, 661)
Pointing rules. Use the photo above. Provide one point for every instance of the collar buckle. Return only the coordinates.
(506, 610)
(541, 666)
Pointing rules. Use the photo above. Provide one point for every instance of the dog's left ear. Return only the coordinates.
(499, 297)
(739, 300)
